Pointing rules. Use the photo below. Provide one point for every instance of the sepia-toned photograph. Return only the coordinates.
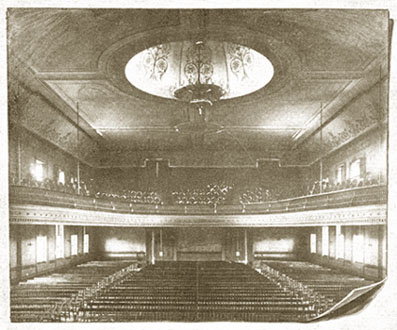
(196, 165)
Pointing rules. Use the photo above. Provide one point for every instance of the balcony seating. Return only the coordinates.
(33, 300)
(214, 198)
(212, 194)
(366, 195)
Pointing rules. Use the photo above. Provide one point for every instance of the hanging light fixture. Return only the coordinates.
(199, 73)
(200, 92)
(199, 70)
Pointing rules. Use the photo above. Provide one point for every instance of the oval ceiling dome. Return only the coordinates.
(165, 68)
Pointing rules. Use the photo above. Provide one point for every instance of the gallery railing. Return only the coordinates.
(368, 195)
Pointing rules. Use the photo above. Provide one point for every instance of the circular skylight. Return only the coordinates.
(163, 69)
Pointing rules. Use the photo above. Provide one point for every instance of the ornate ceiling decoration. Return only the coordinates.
(320, 59)
(165, 69)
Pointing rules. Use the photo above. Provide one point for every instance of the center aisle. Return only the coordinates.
(196, 291)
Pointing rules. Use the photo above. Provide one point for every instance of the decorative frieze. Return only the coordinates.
(359, 215)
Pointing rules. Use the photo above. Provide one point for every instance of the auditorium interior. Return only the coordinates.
(196, 164)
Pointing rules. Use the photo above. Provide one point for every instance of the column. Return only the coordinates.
(161, 244)
(153, 252)
(381, 250)
(224, 245)
(237, 253)
(19, 159)
(175, 244)
(19, 251)
(78, 177)
(245, 246)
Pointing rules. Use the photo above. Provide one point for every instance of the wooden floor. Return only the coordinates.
(182, 291)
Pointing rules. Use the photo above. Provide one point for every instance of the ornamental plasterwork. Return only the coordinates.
(361, 215)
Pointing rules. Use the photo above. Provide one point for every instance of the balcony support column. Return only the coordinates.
(245, 246)
(152, 249)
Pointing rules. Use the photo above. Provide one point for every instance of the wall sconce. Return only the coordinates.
(161, 253)
(237, 253)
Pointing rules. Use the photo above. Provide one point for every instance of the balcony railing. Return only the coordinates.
(369, 195)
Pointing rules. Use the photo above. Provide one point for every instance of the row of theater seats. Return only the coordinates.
(262, 195)
(197, 291)
(183, 291)
(329, 283)
(212, 194)
(256, 195)
(52, 185)
(127, 195)
(328, 186)
(132, 196)
(34, 299)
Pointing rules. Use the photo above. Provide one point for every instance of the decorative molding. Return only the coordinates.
(361, 215)
(69, 76)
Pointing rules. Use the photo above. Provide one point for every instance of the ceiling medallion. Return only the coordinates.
(199, 73)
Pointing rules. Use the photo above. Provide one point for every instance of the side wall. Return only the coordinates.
(23, 249)
(360, 250)
(370, 147)
(25, 147)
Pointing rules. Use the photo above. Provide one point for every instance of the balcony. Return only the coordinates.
(370, 195)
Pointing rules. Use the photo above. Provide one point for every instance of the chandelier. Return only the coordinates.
(200, 92)
(199, 73)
